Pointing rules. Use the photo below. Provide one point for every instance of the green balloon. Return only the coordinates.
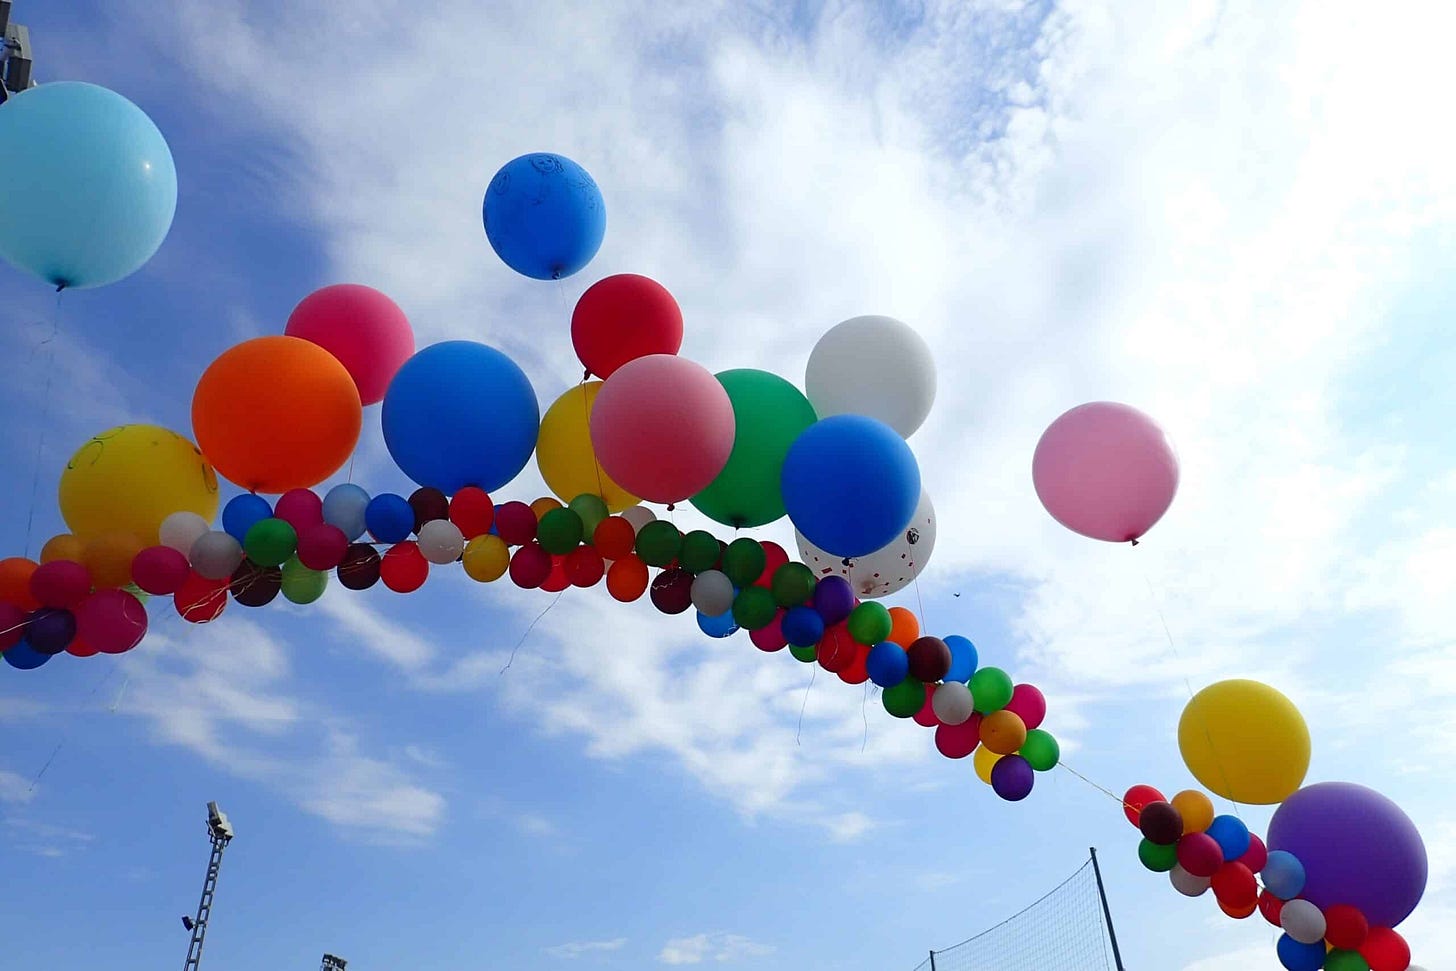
(700, 551)
(270, 542)
(754, 608)
(792, 584)
(769, 414)
(1341, 960)
(991, 690)
(905, 698)
(659, 543)
(1159, 859)
(1040, 750)
(302, 585)
(870, 623)
(591, 509)
(744, 561)
(560, 531)
(806, 654)
(136, 591)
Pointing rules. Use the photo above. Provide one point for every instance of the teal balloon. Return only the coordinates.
(87, 185)
(302, 585)
(769, 415)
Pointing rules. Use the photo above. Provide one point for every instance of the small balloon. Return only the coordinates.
(1302, 921)
(627, 579)
(1198, 853)
(1231, 835)
(614, 538)
(270, 542)
(322, 546)
(753, 608)
(984, 760)
(1028, 702)
(441, 542)
(1187, 884)
(50, 630)
(180, 530)
(345, 507)
(700, 551)
(802, 626)
(256, 586)
(956, 741)
(486, 558)
(530, 566)
(992, 689)
(1161, 823)
(659, 543)
(870, 623)
(929, 659)
(360, 567)
(1003, 732)
(713, 593)
(402, 568)
(239, 515)
(390, 518)
(672, 591)
(1196, 809)
(720, 626)
(111, 621)
(963, 659)
(953, 704)
(1040, 750)
(584, 567)
(744, 561)
(544, 216)
(1011, 777)
(904, 699)
(1283, 875)
(472, 510)
(770, 638)
(202, 599)
(621, 318)
(215, 556)
(428, 504)
(300, 508)
(834, 599)
(301, 585)
(1138, 798)
(1157, 857)
(516, 523)
(60, 583)
(1300, 956)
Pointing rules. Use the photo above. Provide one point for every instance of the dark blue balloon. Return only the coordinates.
(544, 216)
(1231, 835)
(242, 512)
(389, 518)
(460, 414)
(802, 626)
(1300, 957)
(963, 659)
(720, 626)
(833, 598)
(850, 484)
(887, 664)
(24, 657)
(51, 630)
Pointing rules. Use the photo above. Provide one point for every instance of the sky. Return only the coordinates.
(1235, 216)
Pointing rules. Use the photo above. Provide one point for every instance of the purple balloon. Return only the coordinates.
(834, 599)
(1357, 847)
(1106, 471)
(1012, 778)
(51, 630)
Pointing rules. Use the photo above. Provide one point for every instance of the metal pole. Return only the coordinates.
(932, 961)
(1106, 912)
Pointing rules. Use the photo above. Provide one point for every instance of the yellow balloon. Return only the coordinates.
(984, 760)
(1196, 810)
(486, 558)
(564, 452)
(1245, 741)
(127, 480)
(544, 505)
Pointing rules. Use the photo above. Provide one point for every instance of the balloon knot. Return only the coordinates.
(61, 286)
(1134, 542)
(671, 506)
(847, 561)
(586, 375)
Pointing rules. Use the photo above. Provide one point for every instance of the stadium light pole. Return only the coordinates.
(1106, 911)
(220, 833)
(15, 56)
(332, 963)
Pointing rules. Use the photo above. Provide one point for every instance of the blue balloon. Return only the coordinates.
(23, 656)
(850, 484)
(1231, 835)
(720, 626)
(963, 659)
(544, 216)
(1300, 957)
(460, 414)
(346, 506)
(390, 518)
(1283, 875)
(802, 626)
(887, 664)
(242, 512)
(87, 185)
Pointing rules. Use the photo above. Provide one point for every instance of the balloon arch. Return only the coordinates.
(1341, 866)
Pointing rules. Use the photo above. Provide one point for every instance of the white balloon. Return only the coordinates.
(874, 366)
(713, 592)
(441, 541)
(181, 529)
(638, 516)
(215, 555)
(888, 569)
(1187, 884)
(952, 703)
(1302, 921)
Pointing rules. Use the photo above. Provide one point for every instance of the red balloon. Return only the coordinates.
(557, 580)
(614, 538)
(1385, 950)
(1234, 884)
(60, 583)
(1237, 911)
(403, 567)
(111, 621)
(770, 638)
(1199, 854)
(516, 523)
(857, 673)
(958, 741)
(1345, 926)
(79, 648)
(530, 566)
(585, 567)
(926, 715)
(1256, 856)
(1028, 702)
(662, 427)
(1137, 799)
(322, 546)
(1270, 907)
(160, 570)
(835, 652)
(773, 557)
(472, 511)
(360, 326)
(12, 625)
(200, 600)
(627, 578)
(622, 318)
(299, 508)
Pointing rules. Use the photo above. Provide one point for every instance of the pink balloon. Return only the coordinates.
(662, 427)
(160, 570)
(12, 625)
(322, 546)
(926, 715)
(299, 508)
(958, 741)
(1028, 702)
(360, 326)
(112, 621)
(770, 638)
(60, 583)
(1106, 471)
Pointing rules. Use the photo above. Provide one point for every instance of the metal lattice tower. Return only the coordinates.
(220, 832)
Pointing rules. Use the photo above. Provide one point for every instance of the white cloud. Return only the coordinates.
(720, 948)
(44, 838)
(576, 949)
(14, 787)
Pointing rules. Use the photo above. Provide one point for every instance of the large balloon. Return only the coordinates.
(662, 427)
(875, 366)
(622, 318)
(769, 414)
(460, 414)
(544, 216)
(276, 413)
(129, 479)
(1245, 741)
(564, 452)
(87, 185)
(850, 485)
(888, 569)
(361, 327)
(1357, 848)
(1106, 471)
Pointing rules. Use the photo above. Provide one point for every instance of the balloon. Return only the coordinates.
(1198, 853)
(1302, 921)
(992, 689)
(516, 523)
(834, 599)
(531, 566)
(111, 621)
(770, 637)
(952, 703)
(984, 760)
(202, 599)
(215, 556)
(50, 630)
(1235, 885)
(888, 569)
(1299, 956)
(257, 586)
(870, 623)
(441, 541)
(956, 741)
(390, 518)
(1028, 702)
(713, 593)
(754, 608)
(585, 567)
(837, 651)
(1270, 907)
(88, 188)
(346, 507)
(1196, 809)
(109, 556)
(627, 579)
(565, 455)
(887, 664)
(850, 485)
(12, 625)
(1040, 750)
(544, 216)
(1357, 848)
(300, 508)
(486, 558)
(929, 659)
(1157, 857)
(129, 479)
(63, 546)
(60, 583)
(361, 567)
(904, 627)
(1138, 798)
(672, 591)
(662, 427)
(804, 655)
(15, 574)
(1003, 732)
(24, 657)
(1256, 856)
(904, 699)
(560, 531)
(744, 561)
(322, 547)
(1106, 471)
(472, 510)
(592, 510)
(1187, 884)
(638, 516)
(181, 530)
(1385, 950)
(1345, 960)
(1283, 875)
(270, 542)
(459, 414)
(614, 538)
(1011, 777)
(402, 568)
(774, 557)
(1245, 741)
(792, 584)
(1345, 926)
(1161, 823)
(240, 513)
(875, 366)
(802, 626)
(301, 585)
(700, 551)
(621, 318)
(363, 328)
(719, 626)
(659, 543)
(1238, 911)
(1231, 835)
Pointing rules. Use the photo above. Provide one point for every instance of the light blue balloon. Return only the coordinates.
(544, 216)
(1283, 875)
(344, 507)
(87, 185)
(720, 626)
(963, 659)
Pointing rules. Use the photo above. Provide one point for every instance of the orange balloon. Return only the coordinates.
(904, 628)
(1003, 732)
(1196, 810)
(276, 413)
(544, 505)
(61, 547)
(15, 582)
(627, 578)
(614, 538)
(109, 557)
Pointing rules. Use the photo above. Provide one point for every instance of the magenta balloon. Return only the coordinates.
(1028, 702)
(361, 327)
(112, 621)
(299, 508)
(1106, 471)
(770, 638)
(160, 570)
(322, 546)
(662, 427)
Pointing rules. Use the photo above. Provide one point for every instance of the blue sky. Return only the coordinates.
(1195, 208)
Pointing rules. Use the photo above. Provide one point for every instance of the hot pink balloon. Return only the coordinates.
(662, 427)
(112, 621)
(770, 638)
(958, 741)
(1028, 702)
(160, 570)
(1106, 471)
(299, 508)
(322, 546)
(361, 327)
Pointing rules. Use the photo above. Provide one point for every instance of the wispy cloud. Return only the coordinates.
(14, 787)
(576, 949)
(44, 838)
(717, 947)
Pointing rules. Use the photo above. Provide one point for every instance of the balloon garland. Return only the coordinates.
(1342, 865)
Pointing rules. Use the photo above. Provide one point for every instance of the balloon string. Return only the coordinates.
(923, 625)
(586, 418)
(865, 717)
(799, 733)
(1100, 788)
(45, 404)
(528, 631)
